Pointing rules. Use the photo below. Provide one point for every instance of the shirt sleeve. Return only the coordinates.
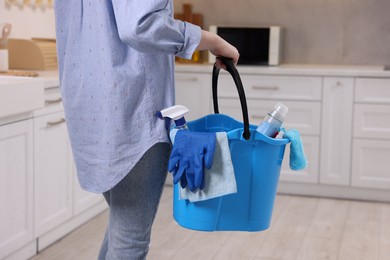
(148, 26)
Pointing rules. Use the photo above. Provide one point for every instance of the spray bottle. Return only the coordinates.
(175, 113)
(273, 121)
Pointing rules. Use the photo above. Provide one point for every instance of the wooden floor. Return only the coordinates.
(302, 228)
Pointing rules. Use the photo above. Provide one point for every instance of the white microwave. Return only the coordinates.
(256, 45)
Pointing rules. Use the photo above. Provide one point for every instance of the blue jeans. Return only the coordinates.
(133, 204)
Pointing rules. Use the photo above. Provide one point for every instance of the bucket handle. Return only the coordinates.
(237, 80)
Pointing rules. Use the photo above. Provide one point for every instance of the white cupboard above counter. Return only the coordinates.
(342, 113)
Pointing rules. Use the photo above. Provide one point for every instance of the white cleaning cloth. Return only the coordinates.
(220, 179)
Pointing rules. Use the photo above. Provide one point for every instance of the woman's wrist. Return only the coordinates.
(208, 41)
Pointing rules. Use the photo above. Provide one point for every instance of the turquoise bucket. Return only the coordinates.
(257, 161)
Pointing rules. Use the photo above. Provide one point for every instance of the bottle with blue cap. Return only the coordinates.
(273, 121)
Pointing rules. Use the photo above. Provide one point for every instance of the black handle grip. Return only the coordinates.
(237, 80)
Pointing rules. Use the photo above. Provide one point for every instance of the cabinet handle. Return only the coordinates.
(265, 87)
(188, 79)
(53, 101)
(53, 123)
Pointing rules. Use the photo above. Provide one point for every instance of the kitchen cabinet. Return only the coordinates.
(16, 189)
(53, 181)
(341, 112)
(41, 200)
(18, 98)
(60, 204)
(371, 165)
(52, 115)
(336, 131)
(371, 135)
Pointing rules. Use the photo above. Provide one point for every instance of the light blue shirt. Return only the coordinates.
(116, 65)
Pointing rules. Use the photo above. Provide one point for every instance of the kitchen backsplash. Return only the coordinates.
(355, 32)
(28, 21)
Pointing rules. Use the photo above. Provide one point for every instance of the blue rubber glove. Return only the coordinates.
(192, 151)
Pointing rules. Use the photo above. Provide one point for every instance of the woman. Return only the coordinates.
(116, 66)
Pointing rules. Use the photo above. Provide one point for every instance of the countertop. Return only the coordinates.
(297, 70)
(50, 78)
(20, 95)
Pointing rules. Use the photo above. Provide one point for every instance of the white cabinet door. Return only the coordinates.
(336, 140)
(16, 186)
(371, 164)
(53, 169)
(194, 92)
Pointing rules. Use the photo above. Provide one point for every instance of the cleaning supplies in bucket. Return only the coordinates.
(256, 163)
(219, 179)
(200, 161)
(192, 152)
(272, 126)
(273, 121)
(298, 160)
(176, 113)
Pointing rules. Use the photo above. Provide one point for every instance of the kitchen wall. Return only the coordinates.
(28, 22)
(353, 32)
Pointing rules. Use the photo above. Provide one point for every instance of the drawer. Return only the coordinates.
(53, 102)
(371, 164)
(303, 116)
(372, 121)
(372, 90)
(272, 87)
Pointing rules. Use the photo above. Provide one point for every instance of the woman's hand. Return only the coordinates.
(218, 47)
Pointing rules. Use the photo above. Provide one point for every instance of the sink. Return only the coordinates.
(20, 95)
